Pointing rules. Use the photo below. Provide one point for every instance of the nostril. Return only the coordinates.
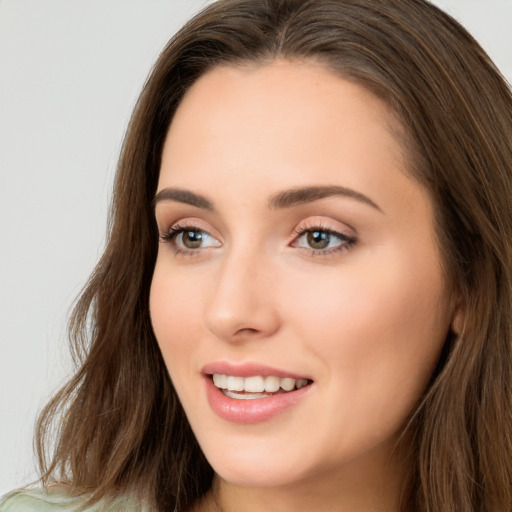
(246, 331)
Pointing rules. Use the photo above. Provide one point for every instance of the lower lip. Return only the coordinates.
(251, 411)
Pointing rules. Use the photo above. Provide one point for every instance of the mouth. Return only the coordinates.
(256, 386)
(250, 392)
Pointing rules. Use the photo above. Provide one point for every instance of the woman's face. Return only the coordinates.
(298, 264)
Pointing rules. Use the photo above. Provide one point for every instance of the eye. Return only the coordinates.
(192, 239)
(189, 238)
(319, 240)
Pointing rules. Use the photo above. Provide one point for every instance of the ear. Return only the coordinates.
(459, 318)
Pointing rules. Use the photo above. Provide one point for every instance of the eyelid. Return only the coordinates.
(174, 230)
(348, 240)
(191, 223)
(325, 224)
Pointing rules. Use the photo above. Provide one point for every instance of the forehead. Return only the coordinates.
(293, 98)
(255, 129)
(302, 88)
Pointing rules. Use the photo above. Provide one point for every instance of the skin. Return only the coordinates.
(365, 321)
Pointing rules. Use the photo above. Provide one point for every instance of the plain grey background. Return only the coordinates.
(70, 72)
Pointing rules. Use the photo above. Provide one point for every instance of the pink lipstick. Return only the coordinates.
(252, 393)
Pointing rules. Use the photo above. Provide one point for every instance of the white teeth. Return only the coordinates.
(301, 383)
(235, 383)
(272, 384)
(244, 396)
(221, 381)
(287, 383)
(256, 384)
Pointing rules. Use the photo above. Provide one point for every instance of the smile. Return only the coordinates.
(252, 393)
(255, 387)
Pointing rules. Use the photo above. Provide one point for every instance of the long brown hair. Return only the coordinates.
(120, 425)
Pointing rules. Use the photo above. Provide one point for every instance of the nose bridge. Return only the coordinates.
(240, 304)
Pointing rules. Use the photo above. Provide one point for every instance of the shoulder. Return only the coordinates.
(39, 500)
(28, 500)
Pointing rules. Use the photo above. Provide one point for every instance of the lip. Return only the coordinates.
(248, 369)
(250, 411)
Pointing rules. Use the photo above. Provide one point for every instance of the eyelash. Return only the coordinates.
(347, 242)
(173, 232)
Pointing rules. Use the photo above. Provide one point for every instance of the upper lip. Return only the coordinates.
(248, 369)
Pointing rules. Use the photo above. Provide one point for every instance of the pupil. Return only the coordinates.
(318, 239)
(192, 239)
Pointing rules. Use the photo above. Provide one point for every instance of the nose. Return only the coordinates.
(242, 306)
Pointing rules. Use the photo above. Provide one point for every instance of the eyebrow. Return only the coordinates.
(297, 196)
(183, 196)
(285, 199)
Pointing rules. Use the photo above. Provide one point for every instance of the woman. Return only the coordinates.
(305, 299)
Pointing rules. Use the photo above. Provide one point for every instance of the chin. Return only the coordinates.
(249, 474)
(257, 466)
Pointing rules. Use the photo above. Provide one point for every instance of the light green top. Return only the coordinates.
(38, 500)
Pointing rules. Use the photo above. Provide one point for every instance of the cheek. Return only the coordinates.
(378, 330)
(174, 311)
(367, 308)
